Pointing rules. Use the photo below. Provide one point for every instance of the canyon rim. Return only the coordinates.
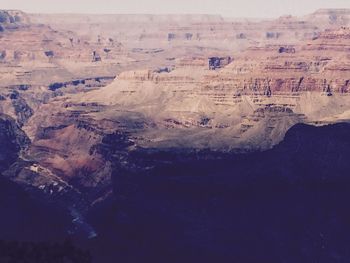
(174, 137)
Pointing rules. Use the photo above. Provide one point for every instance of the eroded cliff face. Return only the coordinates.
(13, 19)
(97, 99)
(204, 30)
(13, 141)
(245, 106)
(38, 55)
(248, 104)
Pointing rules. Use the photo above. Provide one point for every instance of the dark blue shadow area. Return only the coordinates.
(288, 204)
(285, 205)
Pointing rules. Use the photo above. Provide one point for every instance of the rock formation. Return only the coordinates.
(85, 98)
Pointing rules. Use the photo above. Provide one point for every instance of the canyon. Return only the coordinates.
(93, 107)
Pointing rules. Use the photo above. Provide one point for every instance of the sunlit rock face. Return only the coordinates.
(249, 103)
(165, 94)
(98, 95)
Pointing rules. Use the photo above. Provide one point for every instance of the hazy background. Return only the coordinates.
(232, 8)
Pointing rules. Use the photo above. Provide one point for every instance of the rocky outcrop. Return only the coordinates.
(245, 105)
(286, 50)
(219, 62)
(22, 110)
(86, 83)
(87, 127)
(12, 19)
(330, 18)
(13, 140)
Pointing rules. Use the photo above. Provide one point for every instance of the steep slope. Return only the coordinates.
(13, 140)
(287, 204)
(35, 54)
(249, 103)
(186, 86)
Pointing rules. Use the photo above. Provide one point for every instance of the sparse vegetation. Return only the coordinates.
(3, 17)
